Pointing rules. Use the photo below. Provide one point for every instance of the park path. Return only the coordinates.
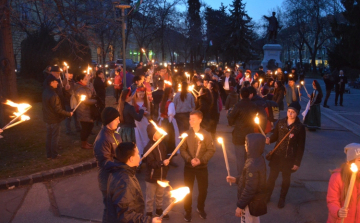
(78, 199)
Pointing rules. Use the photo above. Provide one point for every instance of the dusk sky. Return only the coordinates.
(255, 8)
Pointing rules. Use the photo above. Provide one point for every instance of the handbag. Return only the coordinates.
(257, 205)
(269, 155)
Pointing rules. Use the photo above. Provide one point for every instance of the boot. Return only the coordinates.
(84, 145)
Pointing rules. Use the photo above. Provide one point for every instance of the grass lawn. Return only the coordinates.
(22, 150)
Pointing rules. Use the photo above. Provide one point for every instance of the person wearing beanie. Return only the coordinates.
(53, 114)
(156, 169)
(104, 148)
(288, 155)
(55, 73)
(338, 188)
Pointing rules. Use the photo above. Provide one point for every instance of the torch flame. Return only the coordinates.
(24, 118)
(65, 63)
(109, 82)
(257, 119)
(200, 136)
(228, 70)
(302, 82)
(167, 82)
(82, 97)
(21, 107)
(164, 183)
(165, 64)
(183, 135)
(180, 193)
(142, 49)
(160, 130)
(220, 140)
(297, 86)
(354, 168)
(191, 88)
(202, 75)
(260, 80)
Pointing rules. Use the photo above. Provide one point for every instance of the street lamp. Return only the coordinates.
(122, 4)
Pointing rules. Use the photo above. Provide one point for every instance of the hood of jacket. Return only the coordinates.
(255, 143)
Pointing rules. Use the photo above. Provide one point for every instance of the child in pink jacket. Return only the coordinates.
(338, 186)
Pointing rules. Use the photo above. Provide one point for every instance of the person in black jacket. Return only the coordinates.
(55, 72)
(242, 117)
(69, 90)
(156, 169)
(100, 85)
(328, 86)
(203, 103)
(279, 94)
(340, 82)
(157, 96)
(53, 114)
(125, 201)
(104, 148)
(196, 166)
(287, 157)
(128, 115)
(252, 181)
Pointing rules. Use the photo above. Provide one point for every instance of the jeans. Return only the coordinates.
(68, 120)
(86, 128)
(117, 93)
(202, 180)
(52, 139)
(274, 173)
(240, 154)
(154, 190)
(337, 96)
(327, 96)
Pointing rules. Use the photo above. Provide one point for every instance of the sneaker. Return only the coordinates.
(187, 216)
(159, 212)
(281, 203)
(202, 213)
(149, 214)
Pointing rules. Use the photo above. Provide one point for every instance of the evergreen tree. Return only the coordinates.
(347, 50)
(195, 35)
(239, 34)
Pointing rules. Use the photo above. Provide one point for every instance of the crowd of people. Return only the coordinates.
(181, 105)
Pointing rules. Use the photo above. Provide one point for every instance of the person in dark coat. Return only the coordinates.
(203, 104)
(328, 87)
(287, 157)
(55, 72)
(242, 118)
(104, 148)
(125, 201)
(53, 114)
(100, 85)
(226, 82)
(157, 96)
(340, 82)
(156, 169)
(214, 108)
(252, 181)
(231, 99)
(196, 166)
(128, 115)
(279, 94)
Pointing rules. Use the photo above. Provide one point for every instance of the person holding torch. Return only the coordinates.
(196, 154)
(289, 135)
(344, 188)
(53, 114)
(157, 166)
(124, 199)
(252, 181)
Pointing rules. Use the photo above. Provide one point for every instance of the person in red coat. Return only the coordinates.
(338, 186)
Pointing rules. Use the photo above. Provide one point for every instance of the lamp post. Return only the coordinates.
(122, 4)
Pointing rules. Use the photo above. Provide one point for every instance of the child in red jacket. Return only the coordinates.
(338, 186)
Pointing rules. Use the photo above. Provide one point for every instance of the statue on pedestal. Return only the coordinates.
(273, 27)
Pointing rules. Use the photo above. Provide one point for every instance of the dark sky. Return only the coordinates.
(255, 8)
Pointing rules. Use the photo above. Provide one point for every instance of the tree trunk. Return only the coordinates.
(313, 63)
(8, 88)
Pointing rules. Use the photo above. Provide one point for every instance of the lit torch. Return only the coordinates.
(167, 82)
(82, 98)
(178, 194)
(220, 140)
(354, 170)
(143, 50)
(22, 109)
(201, 137)
(298, 87)
(303, 84)
(183, 136)
(161, 131)
(257, 121)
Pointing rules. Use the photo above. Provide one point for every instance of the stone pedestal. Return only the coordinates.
(271, 51)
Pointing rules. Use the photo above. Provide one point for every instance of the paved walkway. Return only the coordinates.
(78, 199)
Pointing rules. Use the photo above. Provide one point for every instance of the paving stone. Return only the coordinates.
(37, 178)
